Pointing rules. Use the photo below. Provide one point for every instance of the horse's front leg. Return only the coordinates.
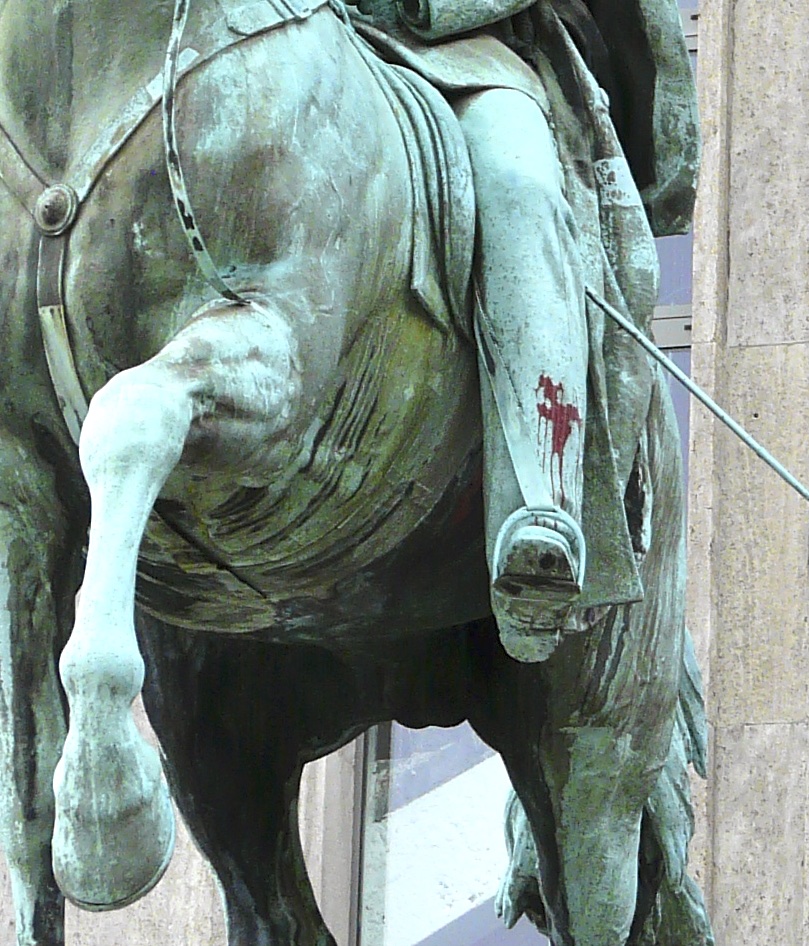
(114, 824)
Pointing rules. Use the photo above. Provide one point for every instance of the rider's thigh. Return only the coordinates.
(511, 147)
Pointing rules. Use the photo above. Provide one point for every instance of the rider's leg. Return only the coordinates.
(534, 346)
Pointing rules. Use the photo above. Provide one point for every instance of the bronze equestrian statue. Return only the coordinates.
(268, 243)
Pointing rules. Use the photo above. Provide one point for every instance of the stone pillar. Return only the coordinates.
(748, 531)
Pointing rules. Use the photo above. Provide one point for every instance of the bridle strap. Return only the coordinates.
(17, 175)
(179, 192)
(256, 17)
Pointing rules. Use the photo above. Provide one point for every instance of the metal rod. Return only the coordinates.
(699, 394)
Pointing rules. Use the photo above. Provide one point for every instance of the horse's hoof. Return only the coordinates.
(107, 855)
(115, 896)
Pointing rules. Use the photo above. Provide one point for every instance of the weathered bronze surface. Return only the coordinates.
(282, 464)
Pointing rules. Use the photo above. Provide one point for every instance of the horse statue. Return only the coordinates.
(280, 472)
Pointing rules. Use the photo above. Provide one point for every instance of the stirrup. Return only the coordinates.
(537, 576)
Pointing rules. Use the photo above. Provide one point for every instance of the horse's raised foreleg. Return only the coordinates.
(32, 720)
(114, 825)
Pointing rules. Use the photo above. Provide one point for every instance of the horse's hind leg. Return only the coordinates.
(32, 719)
(247, 709)
(227, 385)
(595, 730)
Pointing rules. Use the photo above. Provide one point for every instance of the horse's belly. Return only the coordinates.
(375, 524)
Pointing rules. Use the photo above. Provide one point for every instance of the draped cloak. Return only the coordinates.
(614, 81)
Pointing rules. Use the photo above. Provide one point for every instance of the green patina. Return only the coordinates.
(317, 452)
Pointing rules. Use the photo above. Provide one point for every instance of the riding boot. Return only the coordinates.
(533, 489)
(531, 329)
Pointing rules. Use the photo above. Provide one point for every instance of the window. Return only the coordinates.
(433, 848)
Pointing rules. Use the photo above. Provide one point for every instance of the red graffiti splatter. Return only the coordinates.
(560, 417)
(470, 500)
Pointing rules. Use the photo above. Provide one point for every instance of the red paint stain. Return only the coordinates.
(560, 416)
(469, 500)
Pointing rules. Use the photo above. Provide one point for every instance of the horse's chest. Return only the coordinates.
(18, 248)
(128, 280)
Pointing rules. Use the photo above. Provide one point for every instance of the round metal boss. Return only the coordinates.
(55, 209)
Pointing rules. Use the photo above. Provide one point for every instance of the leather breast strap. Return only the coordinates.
(55, 206)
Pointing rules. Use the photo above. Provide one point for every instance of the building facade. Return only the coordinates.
(747, 529)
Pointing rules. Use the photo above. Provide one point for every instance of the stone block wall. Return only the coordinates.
(749, 531)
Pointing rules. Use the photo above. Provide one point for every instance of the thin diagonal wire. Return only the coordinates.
(700, 395)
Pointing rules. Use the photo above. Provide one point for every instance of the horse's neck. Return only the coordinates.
(68, 66)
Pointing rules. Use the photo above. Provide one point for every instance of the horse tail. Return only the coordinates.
(675, 913)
